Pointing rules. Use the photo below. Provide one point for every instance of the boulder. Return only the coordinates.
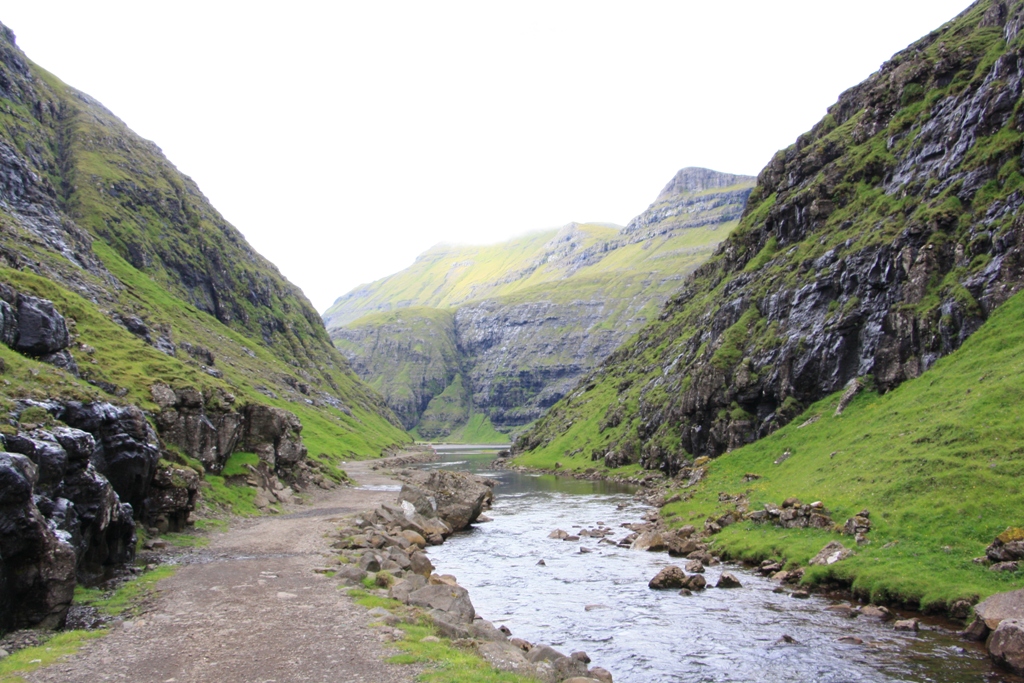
(505, 657)
(906, 625)
(567, 668)
(1006, 644)
(274, 433)
(669, 577)
(695, 567)
(411, 583)
(414, 538)
(993, 610)
(600, 674)
(485, 630)
(350, 574)
(451, 600)
(459, 497)
(210, 436)
(172, 498)
(728, 580)
(695, 582)
(876, 612)
(420, 564)
(1007, 546)
(41, 329)
(652, 541)
(424, 503)
(544, 653)
(833, 552)
(1004, 567)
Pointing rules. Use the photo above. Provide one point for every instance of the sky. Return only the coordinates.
(345, 138)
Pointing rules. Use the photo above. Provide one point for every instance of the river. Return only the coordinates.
(598, 601)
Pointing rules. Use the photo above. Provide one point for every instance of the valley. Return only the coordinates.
(498, 334)
(769, 429)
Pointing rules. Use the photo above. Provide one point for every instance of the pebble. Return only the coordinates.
(281, 595)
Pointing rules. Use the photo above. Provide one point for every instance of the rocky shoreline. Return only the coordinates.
(385, 547)
(998, 622)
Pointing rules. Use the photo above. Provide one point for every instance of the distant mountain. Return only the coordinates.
(496, 334)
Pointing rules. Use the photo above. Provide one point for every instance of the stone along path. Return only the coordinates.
(250, 608)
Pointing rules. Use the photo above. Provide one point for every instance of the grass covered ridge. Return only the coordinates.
(937, 461)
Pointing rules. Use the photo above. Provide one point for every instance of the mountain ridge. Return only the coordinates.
(528, 316)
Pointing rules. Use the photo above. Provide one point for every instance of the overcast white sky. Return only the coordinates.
(345, 138)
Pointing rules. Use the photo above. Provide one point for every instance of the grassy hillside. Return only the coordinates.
(937, 461)
(873, 246)
(98, 221)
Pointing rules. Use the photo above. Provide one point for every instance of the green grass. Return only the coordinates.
(232, 499)
(237, 464)
(185, 540)
(444, 663)
(938, 462)
(31, 658)
(477, 430)
(128, 598)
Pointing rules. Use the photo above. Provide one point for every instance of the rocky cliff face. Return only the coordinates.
(519, 337)
(142, 342)
(875, 245)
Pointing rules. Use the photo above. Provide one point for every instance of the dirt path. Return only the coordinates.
(250, 608)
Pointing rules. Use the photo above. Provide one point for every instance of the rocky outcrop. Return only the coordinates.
(208, 434)
(455, 497)
(209, 429)
(34, 327)
(274, 434)
(37, 566)
(126, 449)
(872, 247)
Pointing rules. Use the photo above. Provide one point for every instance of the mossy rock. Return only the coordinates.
(1011, 534)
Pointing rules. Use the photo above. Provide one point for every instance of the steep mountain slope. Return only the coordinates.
(936, 462)
(876, 244)
(527, 317)
(144, 345)
(96, 210)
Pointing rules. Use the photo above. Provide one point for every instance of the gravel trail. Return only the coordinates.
(250, 608)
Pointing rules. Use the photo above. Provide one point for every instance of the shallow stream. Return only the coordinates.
(599, 601)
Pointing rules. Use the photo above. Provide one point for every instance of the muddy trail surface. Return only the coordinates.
(251, 608)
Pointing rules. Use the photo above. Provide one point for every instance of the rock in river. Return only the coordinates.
(1006, 644)
(669, 577)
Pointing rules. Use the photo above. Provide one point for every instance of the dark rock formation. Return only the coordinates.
(209, 429)
(274, 434)
(126, 447)
(38, 564)
(208, 435)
